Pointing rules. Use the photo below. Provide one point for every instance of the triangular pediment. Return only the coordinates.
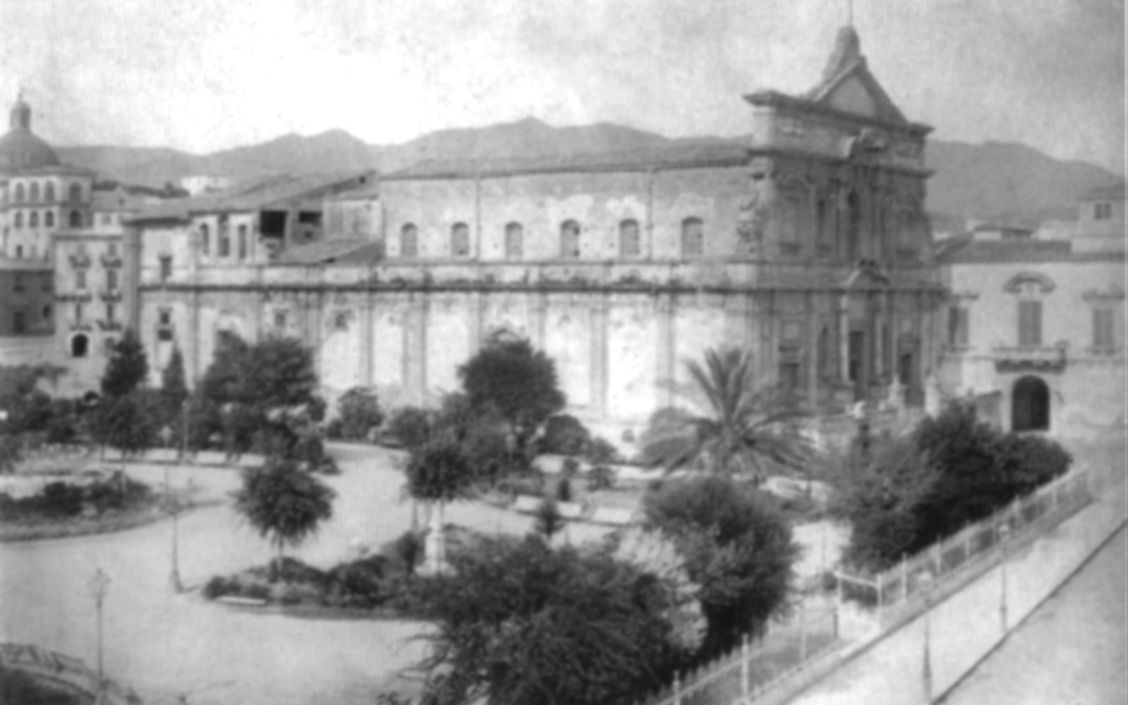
(848, 86)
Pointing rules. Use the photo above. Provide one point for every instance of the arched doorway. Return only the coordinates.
(79, 345)
(1030, 405)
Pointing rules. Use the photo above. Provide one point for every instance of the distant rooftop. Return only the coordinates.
(674, 157)
(1112, 192)
(964, 249)
(252, 195)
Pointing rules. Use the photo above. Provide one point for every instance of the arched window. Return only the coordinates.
(33, 192)
(409, 241)
(49, 219)
(570, 239)
(33, 219)
(460, 240)
(46, 312)
(224, 238)
(17, 221)
(205, 239)
(514, 241)
(630, 244)
(692, 237)
(49, 192)
(75, 193)
(242, 231)
(76, 219)
(19, 193)
(79, 345)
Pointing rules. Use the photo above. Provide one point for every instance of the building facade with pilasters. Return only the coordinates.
(807, 245)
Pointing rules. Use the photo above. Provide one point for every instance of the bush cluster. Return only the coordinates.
(902, 495)
(60, 500)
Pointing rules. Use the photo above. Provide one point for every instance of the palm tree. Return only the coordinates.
(743, 432)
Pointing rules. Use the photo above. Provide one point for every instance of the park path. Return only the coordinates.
(163, 644)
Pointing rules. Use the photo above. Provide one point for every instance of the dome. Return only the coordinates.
(20, 149)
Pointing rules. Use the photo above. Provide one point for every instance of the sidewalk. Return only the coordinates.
(966, 627)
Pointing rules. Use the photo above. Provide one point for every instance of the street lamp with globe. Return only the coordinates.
(99, 586)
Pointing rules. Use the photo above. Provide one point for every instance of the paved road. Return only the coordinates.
(164, 644)
(1072, 650)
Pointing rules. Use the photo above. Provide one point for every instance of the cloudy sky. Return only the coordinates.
(203, 75)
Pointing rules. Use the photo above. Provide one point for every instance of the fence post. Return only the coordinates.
(904, 578)
(1054, 495)
(677, 690)
(937, 558)
(744, 669)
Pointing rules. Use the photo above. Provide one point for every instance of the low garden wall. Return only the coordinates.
(70, 673)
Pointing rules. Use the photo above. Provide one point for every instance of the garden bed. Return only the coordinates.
(46, 528)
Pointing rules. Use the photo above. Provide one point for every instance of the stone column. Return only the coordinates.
(192, 343)
(538, 306)
(844, 338)
(810, 353)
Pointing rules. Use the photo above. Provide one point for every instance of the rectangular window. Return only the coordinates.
(78, 313)
(80, 279)
(19, 283)
(166, 267)
(164, 334)
(242, 242)
(957, 326)
(1103, 327)
(19, 322)
(789, 375)
(110, 313)
(1029, 323)
(1102, 211)
(279, 319)
(111, 280)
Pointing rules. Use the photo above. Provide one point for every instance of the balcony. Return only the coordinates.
(109, 295)
(81, 326)
(79, 260)
(1037, 358)
(80, 296)
(110, 261)
(107, 324)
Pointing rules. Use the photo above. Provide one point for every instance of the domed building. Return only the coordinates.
(38, 194)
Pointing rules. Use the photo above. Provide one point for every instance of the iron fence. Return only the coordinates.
(758, 666)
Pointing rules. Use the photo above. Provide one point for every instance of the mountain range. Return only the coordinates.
(991, 181)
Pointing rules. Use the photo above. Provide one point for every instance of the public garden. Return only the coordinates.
(684, 582)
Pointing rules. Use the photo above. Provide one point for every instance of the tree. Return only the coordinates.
(516, 381)
(410, 426)
(11, 450)
(129, 423)
(742, 432)
(438, 472)
(283, 503)
(522, 624)
(736, 545)
(359, 413)
(174, 388)
(127, 368)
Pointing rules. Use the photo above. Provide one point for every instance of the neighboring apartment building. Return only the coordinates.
(1039, 324)
(808, 245)
(27, 316)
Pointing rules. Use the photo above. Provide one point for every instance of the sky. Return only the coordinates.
(205, 75)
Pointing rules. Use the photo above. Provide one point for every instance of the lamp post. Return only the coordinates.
(99, 586)
(926, 672)
(1004, 536)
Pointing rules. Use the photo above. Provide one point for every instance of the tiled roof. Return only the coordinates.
(965, 250)
(253, 195)
(1112, 192)
(675, 157)
(117, 200)
(323, 252)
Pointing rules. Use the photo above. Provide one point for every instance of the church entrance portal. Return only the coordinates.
(1030, 405)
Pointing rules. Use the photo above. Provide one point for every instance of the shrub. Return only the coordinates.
(547, 520)
(570, 468)
(565, 435)
(410, 426)
(601, 477)
(358, 411)
(218, 586)
(603, 452)
(564, 490)
(62, 499)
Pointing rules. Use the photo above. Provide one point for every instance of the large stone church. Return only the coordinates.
(807, 244)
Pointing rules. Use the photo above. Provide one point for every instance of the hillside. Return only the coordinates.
(985, 181)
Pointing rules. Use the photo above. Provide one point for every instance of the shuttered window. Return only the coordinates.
(1029, 323)
(957, 326)
(1103, 329)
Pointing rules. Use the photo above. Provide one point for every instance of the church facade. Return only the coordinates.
(807, 245)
